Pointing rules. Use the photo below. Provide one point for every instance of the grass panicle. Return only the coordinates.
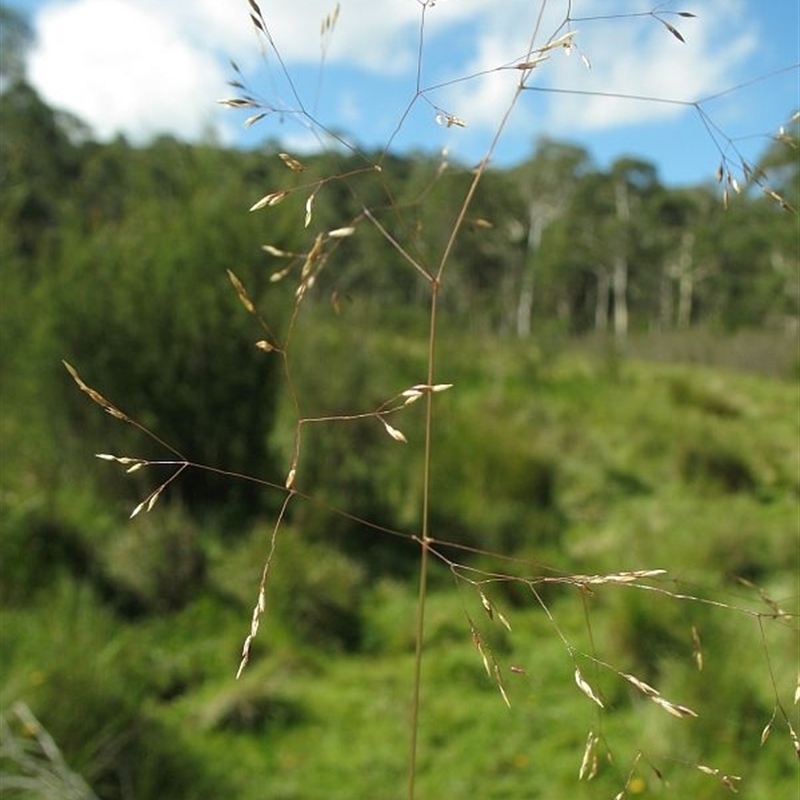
(490, 573)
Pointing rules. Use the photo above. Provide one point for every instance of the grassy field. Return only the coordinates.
(124, 637)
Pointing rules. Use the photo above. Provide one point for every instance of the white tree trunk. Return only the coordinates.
(601, 303)
(537, 219)
(620, 274)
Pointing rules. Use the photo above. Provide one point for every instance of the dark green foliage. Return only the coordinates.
(158, 561)
(319, 593)
(137, 298)
(717, 466)
(116, 745)
(252, 708)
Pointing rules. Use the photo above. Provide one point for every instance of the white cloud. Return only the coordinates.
(139, 68)
(634, 56)
(150, 66)
(641, 57)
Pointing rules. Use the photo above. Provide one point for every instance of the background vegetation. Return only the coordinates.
(627, 398)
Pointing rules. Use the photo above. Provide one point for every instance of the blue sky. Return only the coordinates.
(144, 67)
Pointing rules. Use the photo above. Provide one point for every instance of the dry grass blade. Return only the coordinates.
(94, 395)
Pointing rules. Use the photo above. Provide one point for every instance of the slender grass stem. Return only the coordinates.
(424, 544)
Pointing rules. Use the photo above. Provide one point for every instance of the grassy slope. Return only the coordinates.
(689, 469)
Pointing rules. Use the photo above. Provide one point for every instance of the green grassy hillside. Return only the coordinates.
(123, 637)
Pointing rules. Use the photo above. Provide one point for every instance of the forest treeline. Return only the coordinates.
(114, 257)
(552, 238)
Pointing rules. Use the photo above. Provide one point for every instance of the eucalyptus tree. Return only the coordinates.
(547, 182)
(633, 182)
(687, 229)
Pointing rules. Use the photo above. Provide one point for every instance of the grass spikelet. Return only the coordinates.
(486, 604)
(450, 121)
(309, 209)
(250, 121)
(588, 768)
(674, 31)
(107, 406)
(795, 739)
(532, 64)
(586, 689)
(498, 679)
(767, 731)
(274, 251)
(238, 102)
(561, 41)
(697, 649)
(643, 687)
(478, 642)
(397, 435)
(729, 781)
(341, 233)
(292, 163)
(241, 292)
(148, 503)
(676, 710)
(271, 199)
